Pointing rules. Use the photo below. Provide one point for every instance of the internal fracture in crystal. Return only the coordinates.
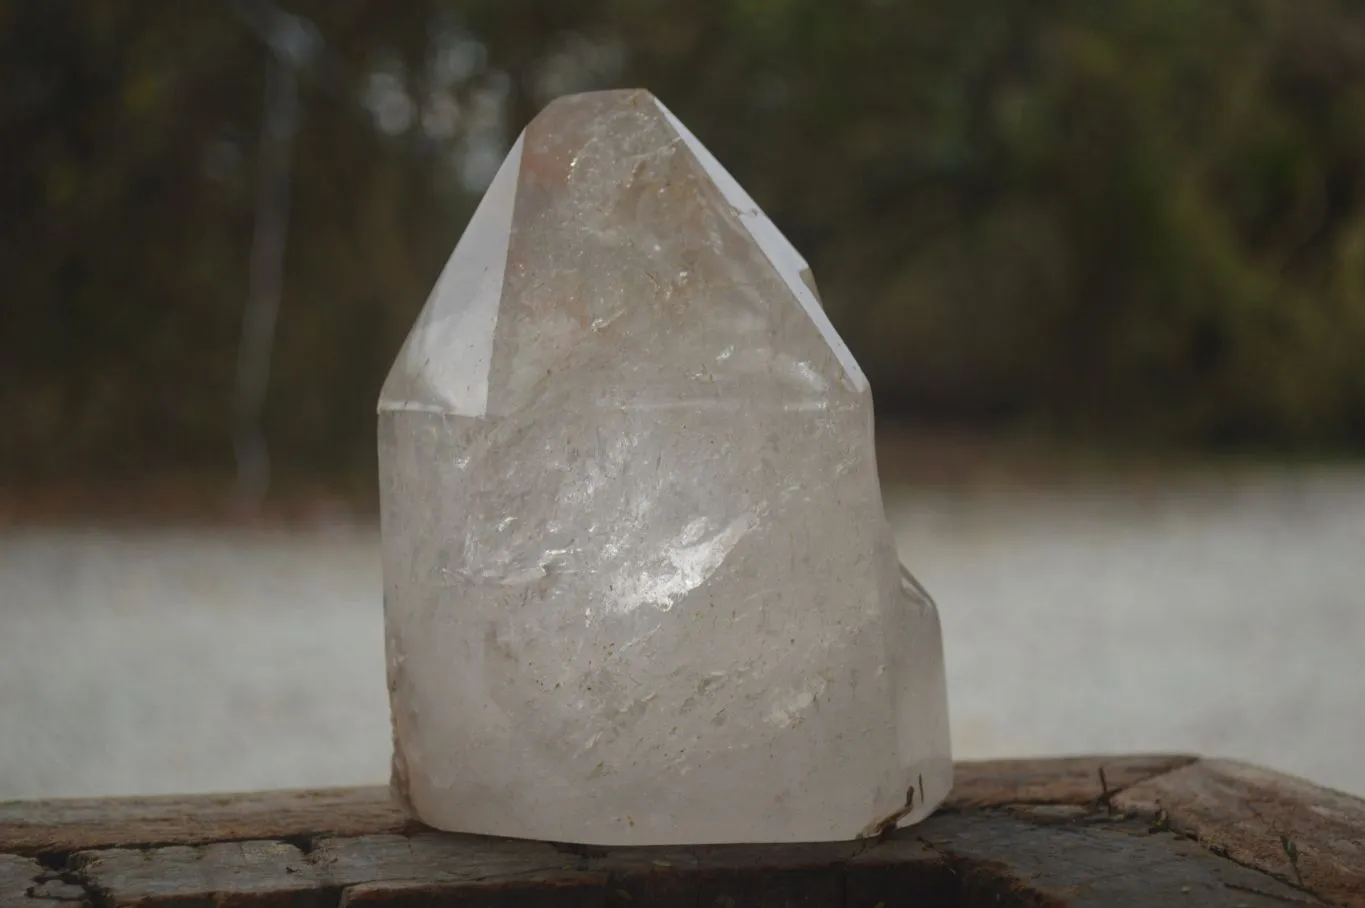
(639, 585)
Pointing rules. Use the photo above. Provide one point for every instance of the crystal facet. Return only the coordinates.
(639, 584)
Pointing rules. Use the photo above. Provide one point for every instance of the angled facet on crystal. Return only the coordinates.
(443, 366)
(639, 585)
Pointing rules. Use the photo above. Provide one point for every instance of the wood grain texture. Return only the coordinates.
(1287, 827)
(225, 873)
(441, 856)
(1064, 780)
(973, 858)
(427, 866)
(66, 825)
(1097, 863)
(1157, 831)
(24, 883)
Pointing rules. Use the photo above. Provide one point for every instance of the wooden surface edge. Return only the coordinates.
(1078, 781)
(60, 826)
(1080, 831)
(1286, 827)
(65, 825)
(1024, 855)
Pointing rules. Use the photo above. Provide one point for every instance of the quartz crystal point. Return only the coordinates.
(639, 584)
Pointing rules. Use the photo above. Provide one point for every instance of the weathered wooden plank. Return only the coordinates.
(953, 859)
(426, 866)
(65, 825)
(433, 855)
(1004, 859)
(1015, 832)
(24, 883)
(1065, 780)
(1278, 824)
(266, 874)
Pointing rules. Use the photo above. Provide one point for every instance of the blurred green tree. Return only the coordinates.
(1140, 218)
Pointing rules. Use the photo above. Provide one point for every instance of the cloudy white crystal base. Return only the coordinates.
(639, 586)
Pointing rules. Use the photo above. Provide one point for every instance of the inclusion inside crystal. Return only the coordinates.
(639, 584)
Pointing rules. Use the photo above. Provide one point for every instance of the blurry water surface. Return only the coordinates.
(1221, 616)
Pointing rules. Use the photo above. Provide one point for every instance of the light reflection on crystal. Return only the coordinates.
(639, 584)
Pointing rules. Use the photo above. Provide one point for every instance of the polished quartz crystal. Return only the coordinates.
(639, 584)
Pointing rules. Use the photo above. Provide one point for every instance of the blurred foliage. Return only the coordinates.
(1142, 217)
